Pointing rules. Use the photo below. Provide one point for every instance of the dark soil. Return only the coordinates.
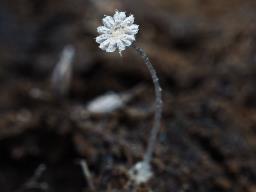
(205, 55)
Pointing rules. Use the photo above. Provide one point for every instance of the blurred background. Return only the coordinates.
(204, 52)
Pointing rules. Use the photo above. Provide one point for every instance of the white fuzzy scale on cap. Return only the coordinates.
(117, 32)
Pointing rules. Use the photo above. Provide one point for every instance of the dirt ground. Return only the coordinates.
(204, 52)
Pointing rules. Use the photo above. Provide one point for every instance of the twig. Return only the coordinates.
(87, 174)
(33, 182)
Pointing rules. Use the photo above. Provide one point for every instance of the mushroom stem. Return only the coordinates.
(158, 106)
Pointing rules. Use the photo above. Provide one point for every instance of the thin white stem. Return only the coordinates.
(158, 106)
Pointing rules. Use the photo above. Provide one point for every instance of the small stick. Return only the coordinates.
(87, 174)
(33, 182)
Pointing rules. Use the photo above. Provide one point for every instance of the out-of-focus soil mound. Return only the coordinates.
(205, 55)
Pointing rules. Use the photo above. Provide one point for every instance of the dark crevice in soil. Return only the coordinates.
(214, 154)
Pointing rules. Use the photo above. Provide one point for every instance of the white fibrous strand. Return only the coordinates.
(117, 32)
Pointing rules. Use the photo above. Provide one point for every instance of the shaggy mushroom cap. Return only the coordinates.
(117, 32)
